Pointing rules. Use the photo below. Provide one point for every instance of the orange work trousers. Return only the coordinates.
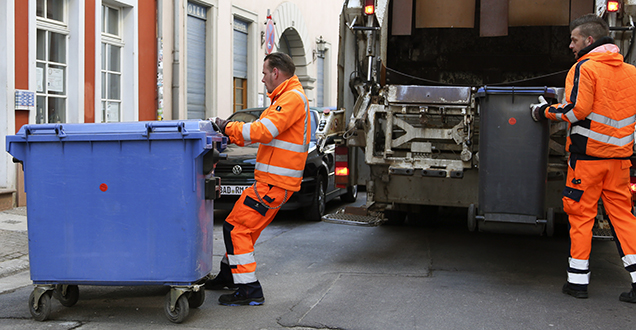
(587, 181)
(244, 225)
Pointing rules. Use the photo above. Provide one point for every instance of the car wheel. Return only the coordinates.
(315, 211)
(351, 195)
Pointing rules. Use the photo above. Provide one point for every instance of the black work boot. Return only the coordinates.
(575, 290)
(247, 294)
(222, 281)
(629, 296)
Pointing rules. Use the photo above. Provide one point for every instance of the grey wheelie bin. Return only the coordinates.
(513, 162)
(119, 204)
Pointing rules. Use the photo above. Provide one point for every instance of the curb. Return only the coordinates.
(13, 266)
(15, 282)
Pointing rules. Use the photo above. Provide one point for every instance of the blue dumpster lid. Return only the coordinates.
(150, 130)
(490, 90)
(174, 129)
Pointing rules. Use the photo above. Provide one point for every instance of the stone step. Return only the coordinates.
(6, 199)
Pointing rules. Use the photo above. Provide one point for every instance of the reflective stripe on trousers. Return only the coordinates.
(587, 181)
(244, 225)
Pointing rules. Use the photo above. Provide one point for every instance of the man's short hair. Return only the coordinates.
(591, 25)
(282, 62)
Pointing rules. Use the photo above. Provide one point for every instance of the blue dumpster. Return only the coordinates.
(118, 204)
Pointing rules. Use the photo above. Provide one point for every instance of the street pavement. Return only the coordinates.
(14, 250)
(319, 275)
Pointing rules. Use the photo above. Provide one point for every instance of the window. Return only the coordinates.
(50, 9)
(51, 61)
(112, 44)
(240, 64)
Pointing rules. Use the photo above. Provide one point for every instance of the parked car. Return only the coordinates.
(318, 184)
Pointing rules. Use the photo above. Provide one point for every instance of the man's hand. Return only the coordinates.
(537, 109)
(219, 123)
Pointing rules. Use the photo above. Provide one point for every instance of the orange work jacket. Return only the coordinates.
(600, 105)
(283, 131)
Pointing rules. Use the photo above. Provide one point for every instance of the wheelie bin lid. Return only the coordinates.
(547, 92)
(124, 131)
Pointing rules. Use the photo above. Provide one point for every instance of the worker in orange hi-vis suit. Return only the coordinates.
(283, 131)
(600, 110)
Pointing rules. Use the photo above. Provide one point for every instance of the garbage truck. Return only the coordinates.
(434, 107)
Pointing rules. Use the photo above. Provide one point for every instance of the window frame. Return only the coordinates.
(109, 39)
(59, 27)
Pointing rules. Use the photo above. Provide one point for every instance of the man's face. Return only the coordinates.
(578, 41)
(270, 77)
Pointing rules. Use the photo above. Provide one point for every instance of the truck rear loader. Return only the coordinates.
(435, 98)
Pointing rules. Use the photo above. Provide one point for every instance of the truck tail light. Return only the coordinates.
(613, 6)
(632, 187)
(342, 167)
(369, 7)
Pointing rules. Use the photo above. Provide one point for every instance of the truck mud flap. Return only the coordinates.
(353, 216)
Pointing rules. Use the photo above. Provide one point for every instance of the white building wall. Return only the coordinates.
(7, 90)
(310, 19)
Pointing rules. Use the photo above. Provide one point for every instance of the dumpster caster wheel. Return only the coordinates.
(180, 311)
(472, 217)
(40, 310)
(68, 295)
(549, 226)
(196, 298)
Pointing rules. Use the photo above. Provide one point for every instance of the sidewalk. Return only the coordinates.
(14, 250)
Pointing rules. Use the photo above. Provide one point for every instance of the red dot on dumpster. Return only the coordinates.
(512, 121)
(103, 187)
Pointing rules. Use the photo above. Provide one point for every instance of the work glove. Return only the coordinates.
(219, 123)
(537, 110)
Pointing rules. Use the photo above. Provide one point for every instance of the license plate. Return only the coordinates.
(233, 190)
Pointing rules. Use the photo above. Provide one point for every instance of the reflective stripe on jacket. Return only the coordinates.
(283, 131)
(600, 105)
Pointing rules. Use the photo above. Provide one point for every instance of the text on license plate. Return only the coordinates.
(233, 190)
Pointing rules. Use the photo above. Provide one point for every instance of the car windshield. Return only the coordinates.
(250, 115)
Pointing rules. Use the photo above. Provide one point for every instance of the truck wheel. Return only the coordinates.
(351, 195)
(316, 210)
(549, 226)
(472, 217)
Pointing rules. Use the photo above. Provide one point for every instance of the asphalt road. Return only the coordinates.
(328, 276)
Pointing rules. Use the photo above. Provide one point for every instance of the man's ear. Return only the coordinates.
(590, 40)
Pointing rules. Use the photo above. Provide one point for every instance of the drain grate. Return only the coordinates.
(352, 219)
(601, 229)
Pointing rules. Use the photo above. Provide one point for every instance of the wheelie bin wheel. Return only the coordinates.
(181, 309)
(549, 226)
(41, 311)
(472, 217)
(68, 295)
(196, 298)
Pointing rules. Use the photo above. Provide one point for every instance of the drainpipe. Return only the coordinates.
(175, 62)
(159, 60)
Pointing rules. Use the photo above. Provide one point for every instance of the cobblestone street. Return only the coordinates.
(14, 242)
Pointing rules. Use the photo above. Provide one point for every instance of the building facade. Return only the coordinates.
(211, 52)
(69, 61)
